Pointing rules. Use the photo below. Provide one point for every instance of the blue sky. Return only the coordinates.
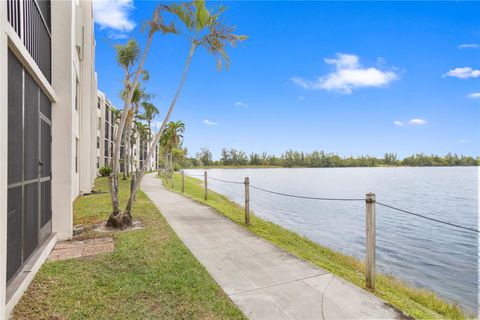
(350, 78)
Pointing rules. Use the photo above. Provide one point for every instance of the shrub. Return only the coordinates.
(105, 171)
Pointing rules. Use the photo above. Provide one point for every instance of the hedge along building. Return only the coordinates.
(48, 122)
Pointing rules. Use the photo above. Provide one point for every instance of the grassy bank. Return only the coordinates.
(416, 303)
(150, 275)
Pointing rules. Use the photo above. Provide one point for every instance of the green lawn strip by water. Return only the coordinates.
(150, 274)
(417, 303)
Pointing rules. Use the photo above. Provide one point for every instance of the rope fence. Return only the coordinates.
(304, 197)
(344, 199)
(428, 218)
(370, 202)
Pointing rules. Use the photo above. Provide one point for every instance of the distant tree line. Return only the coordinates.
(321, 159)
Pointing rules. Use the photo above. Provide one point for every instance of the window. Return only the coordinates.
(76, 155)
(105, 152)
(77, 95)
(98, 142)
(99, 123)
(98, 104)
(98, 162)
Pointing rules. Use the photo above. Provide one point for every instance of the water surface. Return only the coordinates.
(424, 253)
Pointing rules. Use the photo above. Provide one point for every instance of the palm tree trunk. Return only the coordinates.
(162, 128)
(126, 147)
(113, 221)
(173, 168)
(166, 164)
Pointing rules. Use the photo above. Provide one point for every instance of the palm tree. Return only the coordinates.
(127, 57)
(171, 140)
(204, 29)
(164, 143)
(138, 95)
(149, 113)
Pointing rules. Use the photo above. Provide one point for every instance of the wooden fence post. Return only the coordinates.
(370, 241)
(183, 181)
(205, 191)
(247, 201)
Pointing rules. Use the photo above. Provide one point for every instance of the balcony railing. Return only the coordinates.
(31, 21)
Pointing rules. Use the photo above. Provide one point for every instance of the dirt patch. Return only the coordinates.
(101, 227)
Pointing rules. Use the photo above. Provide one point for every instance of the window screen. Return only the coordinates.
(30, 141)
(46, 203)
(14, 231)
(15, 119)
(45, 105)
(30, 222)
(45, 168)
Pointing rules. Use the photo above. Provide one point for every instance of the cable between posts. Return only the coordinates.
(428, 218)
(305, 197)
(226, 181)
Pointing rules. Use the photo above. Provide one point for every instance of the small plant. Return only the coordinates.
(105, 171)
(177, 167)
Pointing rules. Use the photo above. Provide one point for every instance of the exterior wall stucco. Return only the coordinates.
(63, 124)
(88, 91)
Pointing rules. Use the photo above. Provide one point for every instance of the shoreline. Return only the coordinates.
(339, 167)
(416, 302)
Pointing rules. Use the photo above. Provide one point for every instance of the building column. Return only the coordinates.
(3, 156)
(63, 82)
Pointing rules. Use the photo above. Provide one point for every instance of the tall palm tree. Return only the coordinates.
(164, 143)
(204, 29)
(149, 113)
(138, 96)
(127, 58)
(170, 140)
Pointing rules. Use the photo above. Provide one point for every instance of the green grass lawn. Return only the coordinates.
(150, 275)
(420, 304)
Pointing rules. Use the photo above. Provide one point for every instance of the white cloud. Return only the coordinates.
(474, 95)
(349, 75)
(468, 46)
(463, 73)
(113, 14)
(464, 141)
(117, 36)
(240, 104)
(301, 98)
(398, 123)
(417, 122)
(210, 123)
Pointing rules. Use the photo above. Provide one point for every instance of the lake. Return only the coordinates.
(423, 253)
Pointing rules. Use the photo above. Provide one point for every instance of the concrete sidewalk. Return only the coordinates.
(264, 281)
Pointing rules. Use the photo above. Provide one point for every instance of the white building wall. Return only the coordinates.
(64, 118)
(85, 47)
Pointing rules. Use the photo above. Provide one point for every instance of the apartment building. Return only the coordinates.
(107, 126)
(48, 125)
(106, 130)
